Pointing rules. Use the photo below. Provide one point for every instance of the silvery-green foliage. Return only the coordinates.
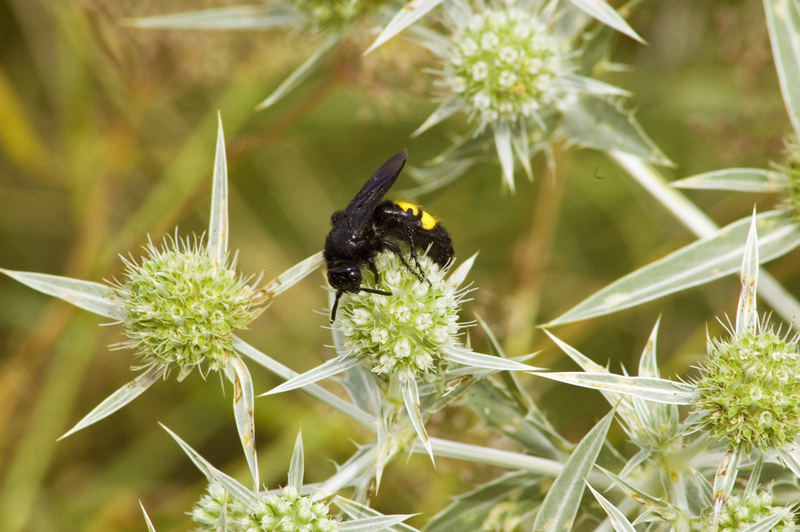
(715, 254)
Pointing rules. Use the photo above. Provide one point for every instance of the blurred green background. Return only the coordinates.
(107, 135)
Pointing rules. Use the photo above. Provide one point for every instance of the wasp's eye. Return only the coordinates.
(348, 279)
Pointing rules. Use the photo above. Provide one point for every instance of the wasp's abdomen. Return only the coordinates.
(409, 223)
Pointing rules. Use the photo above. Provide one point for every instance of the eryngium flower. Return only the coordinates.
(749, 390)
(739, 513)
(404, 334)
(285, 511)
(503, 65)
(183, 306)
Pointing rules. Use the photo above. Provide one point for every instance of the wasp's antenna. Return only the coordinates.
(336, 305)
(374, 291)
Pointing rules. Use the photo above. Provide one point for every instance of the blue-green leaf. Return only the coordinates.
(698, 263)
(88, 295)
(602, 11)
(560, 506)
(783, 23)
(223, 18)
(500, 504)
(740, 179)
(601, 125)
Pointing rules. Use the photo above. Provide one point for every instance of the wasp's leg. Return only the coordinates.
(394, 248)
(374, 270)
(410, 238)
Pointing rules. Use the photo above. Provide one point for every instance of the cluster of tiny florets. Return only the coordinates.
(404, 334)
(283, 512)
(738, 513)
(183, 306)
(749, 390)
(333, 14)
(504, 65)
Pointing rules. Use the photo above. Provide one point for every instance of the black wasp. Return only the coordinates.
(368, 225)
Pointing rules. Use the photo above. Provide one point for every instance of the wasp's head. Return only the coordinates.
(345, 278)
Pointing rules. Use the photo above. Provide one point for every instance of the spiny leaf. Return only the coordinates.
(118, 399)
(740, 179)
(560, 506)
(698, 263)
(94, 297)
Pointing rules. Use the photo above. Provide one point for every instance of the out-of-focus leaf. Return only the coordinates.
(18, 137)
(303, 71)
(600, 10)
(741, 179)
(560, 506)
(783, 23)
(698, 263)
(648, 388)
(586, 85)
(409, 14)
(500, 504)
(223, 18)
(443, 112)
(598, 124)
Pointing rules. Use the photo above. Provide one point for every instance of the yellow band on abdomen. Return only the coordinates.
(428, 221)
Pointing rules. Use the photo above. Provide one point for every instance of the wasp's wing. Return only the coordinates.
(360, 208)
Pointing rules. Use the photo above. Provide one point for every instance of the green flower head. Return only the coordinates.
(739, 513)
(284, 511)
(749, 390)
(404, 334)
(504, 65)
(183, 306)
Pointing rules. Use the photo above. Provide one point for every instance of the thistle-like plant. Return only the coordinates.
(179, 307)
(403, 347)
(229, 505)
(745, 409)
(717, 253)
(329, 21)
